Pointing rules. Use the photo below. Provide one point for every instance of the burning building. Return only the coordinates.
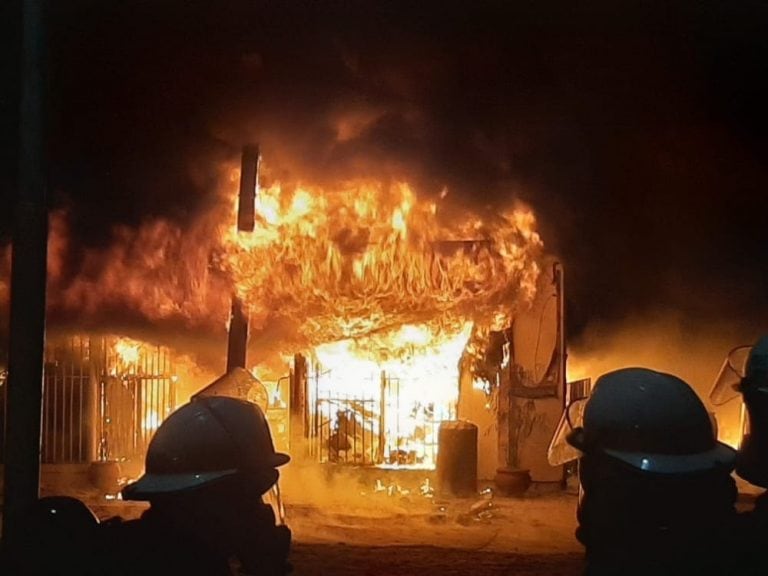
(395, 315)
(371, 316)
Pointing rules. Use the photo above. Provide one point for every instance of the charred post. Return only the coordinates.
(299, 427)
(237, 348)
(249, 182)
(238, 336)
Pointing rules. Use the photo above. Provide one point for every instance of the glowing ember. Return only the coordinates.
(420, 367)
(151, 421)
(127, 351)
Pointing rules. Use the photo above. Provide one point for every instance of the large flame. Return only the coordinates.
(127, 350)
(385, 293)
(364, 257)
(408, 377)
(365, 277)
(337, 263)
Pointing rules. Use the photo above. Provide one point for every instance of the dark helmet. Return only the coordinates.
(207, 439)
(652, 421)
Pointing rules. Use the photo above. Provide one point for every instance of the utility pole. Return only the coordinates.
(246, 221)
(28, 281)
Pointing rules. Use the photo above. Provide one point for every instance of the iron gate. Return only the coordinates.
(364, 427)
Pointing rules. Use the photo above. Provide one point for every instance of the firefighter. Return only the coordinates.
(211, 468)
(745, 373)
(656, 494)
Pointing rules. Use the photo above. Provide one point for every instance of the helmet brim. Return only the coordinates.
(157, 484)
(720, 456)
(280, 459)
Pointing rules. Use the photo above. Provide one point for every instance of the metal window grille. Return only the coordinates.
(64, 415)
(97, 406)
(134, 398)
(364, 428)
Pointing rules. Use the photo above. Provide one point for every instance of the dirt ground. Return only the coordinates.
(401, 527)
(526, 536)
(530, 536)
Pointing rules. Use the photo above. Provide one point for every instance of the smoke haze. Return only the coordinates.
(638, 135)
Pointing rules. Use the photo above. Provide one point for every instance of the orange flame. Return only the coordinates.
(368, 278)
(383, 288)
(359, 260)
(364, 258)
(127, 350)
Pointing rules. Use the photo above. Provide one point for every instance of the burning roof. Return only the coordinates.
(365, 259)
(362, 259)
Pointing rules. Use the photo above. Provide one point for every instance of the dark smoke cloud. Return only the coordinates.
(638, 134)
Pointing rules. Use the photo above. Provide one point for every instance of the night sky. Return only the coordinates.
(637, 131)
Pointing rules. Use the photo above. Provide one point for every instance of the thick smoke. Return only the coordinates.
(638, 135)
(669, 341)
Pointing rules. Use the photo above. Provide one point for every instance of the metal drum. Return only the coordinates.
(457, 458)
